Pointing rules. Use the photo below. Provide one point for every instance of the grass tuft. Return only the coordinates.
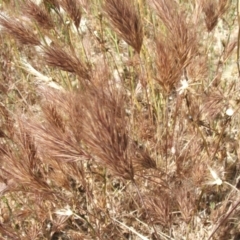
(119, 120)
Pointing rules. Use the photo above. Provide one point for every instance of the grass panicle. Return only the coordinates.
(38, 14)
(56, 56)
(21, 32)
(126, 21)
(72, 7)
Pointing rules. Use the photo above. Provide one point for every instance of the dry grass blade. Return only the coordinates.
(132, 230)
(224, 217)
(126, 21)
(18, 30)
(51, 4)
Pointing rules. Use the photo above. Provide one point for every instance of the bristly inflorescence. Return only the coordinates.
(119, 119)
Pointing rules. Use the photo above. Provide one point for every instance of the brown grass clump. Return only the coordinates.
(119, 120)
